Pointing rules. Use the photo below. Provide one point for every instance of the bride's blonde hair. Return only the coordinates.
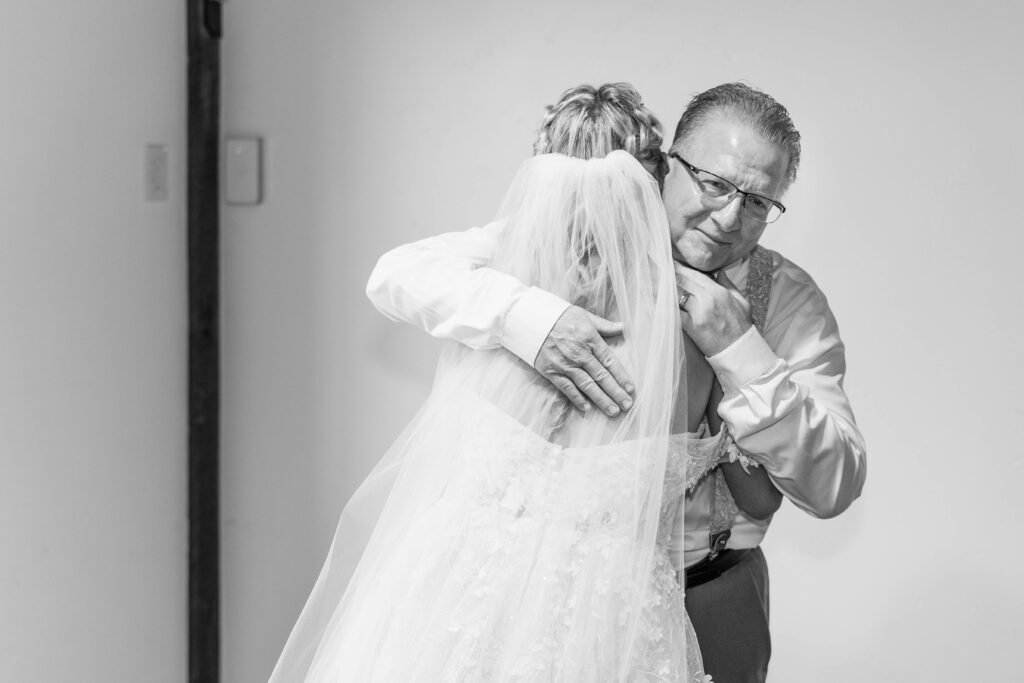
(589, 122)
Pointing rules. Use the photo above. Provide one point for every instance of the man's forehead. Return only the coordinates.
(726, 146)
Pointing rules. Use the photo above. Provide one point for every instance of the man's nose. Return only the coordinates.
(730, 216)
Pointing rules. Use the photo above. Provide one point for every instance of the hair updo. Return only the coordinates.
(589, 122)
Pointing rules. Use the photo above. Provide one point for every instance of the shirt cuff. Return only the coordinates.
(529, 321)
(743, 361)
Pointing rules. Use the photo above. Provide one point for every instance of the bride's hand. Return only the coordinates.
(576, 359)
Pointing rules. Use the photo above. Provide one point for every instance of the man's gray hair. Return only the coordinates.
(749, 106)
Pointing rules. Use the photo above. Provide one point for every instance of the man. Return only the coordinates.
(734, 154)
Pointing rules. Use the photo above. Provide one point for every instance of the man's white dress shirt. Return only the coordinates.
(783, 391)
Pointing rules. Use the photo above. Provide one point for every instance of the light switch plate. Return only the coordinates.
(155, 174)
(243, 171)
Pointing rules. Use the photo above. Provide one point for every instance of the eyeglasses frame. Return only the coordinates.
(694, 170)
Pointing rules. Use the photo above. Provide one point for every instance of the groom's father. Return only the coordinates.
(761, 321)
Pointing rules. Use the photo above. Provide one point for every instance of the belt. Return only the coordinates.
(712, 567)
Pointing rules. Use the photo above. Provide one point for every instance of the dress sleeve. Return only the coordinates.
(785, 404)
(443, 286)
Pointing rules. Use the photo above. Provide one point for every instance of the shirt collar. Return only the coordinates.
(737, 272)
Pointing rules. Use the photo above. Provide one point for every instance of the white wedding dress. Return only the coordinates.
(506, 537)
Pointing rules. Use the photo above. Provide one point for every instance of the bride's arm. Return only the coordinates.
(754, 493)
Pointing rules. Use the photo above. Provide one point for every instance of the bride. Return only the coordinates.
(506, 536)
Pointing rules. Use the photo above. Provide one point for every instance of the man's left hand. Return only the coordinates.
(715, 314)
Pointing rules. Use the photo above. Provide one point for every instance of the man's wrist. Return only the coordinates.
(743, 361)
(529, 321)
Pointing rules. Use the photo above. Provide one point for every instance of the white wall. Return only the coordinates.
(93, 551)
(401, 120)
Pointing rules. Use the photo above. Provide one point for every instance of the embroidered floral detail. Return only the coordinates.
(723, 507)
(519, 506)
(759, 285)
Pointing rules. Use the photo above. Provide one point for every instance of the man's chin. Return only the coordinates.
(705, 263)
(694, 252)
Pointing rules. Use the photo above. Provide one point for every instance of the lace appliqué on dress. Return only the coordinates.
(520, 506)
(736, 454)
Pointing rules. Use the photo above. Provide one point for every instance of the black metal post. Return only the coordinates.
(204, 27)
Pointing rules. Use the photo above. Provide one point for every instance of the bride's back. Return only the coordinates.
(584, 221)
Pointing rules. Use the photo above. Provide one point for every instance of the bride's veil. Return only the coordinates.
(578, 494)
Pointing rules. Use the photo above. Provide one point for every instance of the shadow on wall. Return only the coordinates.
(957, 627)
(404, 351)
(822, 538)
(935, 629)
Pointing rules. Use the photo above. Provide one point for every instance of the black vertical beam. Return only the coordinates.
(204, 29)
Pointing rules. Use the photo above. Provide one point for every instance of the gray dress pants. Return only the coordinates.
(730, 616)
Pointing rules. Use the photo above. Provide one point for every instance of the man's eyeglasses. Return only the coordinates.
(720, 192)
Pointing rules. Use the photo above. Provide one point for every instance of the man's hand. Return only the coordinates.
(715, 314)
(576, 359)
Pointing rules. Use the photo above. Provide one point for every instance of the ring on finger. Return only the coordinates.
(684, 296)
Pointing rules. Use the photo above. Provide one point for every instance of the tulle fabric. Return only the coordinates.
(506, 536)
